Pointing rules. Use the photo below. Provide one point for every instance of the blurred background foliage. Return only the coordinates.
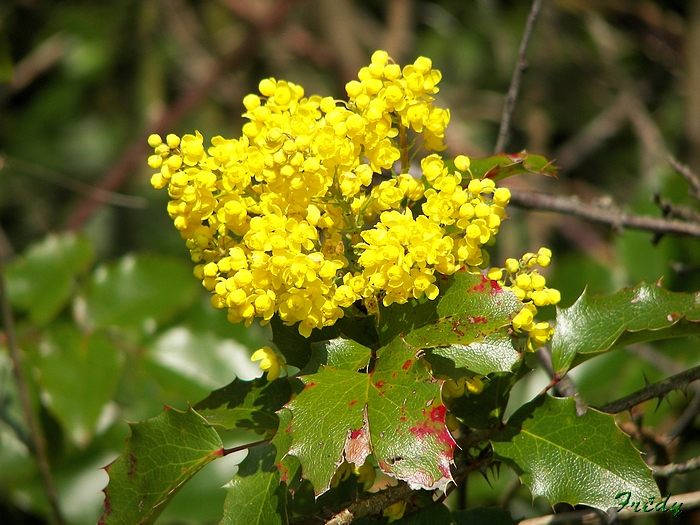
(111, 323)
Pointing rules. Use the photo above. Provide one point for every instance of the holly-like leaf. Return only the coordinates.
(78, 374)
(42, 280)
(595, 324)
(288, 466)
(161, 455)
(395, 412)
(470, 308)
(246, 404)
(569, 458)
(138, 288)
(255, 495)
(505, 165)
(340, 353)
(494, 354)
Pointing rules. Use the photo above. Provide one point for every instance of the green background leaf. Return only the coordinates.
(42, 281)
(139, 288)
(505, 165)
(161, 455)
(569, 458)
(595, 324)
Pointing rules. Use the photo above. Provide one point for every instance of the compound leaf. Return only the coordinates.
(595, 324)
(569, 458)
(161, 455)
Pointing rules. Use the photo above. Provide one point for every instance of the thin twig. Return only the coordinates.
(520, 66)
(606, 215)
(136, 152)
(37, 436)
(675, 382)
(676, 468)
(690, 177)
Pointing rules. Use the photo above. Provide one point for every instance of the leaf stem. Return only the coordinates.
(37, 437)
(228, 451)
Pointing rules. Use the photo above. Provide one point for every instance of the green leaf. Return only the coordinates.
(246, 404)
(395, 412)
(601, 323)
(297, 349)
(470, 308)
(139, 289)
(288, 466)
(255, 495)
(494, 354)
(505, 165)
(41, 282)
(569, 458)
(161, 455)
(341, 354)
(482, 515)
(78, 374)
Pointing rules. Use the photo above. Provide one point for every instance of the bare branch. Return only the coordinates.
(675, 382)
(688, 175)
(136, 152)
(676, 468)
(35, 431)
(606, 215)
(520, 67)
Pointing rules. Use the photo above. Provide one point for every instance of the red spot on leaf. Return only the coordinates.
(402, 418)
(353, 402)
(438, 413)
(133, 464)
(407, 364)
(284, 472)
(393, 374)
(355, 433)
(478, 319)
(379, 384)
(310, 385)
(481, 286)
(495, 288)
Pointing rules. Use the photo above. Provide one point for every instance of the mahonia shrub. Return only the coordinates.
(315, 209)
(340, 224)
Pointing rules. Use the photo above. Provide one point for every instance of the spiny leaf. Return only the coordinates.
(600, 323)
(505, 165)
(246, 404)
(161, 455)
(255, 495)
(569, 458)
(395, 412)
(340, 353)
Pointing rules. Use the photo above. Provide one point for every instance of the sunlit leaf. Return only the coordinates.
(595, 324)
(569, 458)
(395, 412)
(161, 455)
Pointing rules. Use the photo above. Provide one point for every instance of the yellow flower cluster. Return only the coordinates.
(297, 218)
(463, 386)
(530, 287)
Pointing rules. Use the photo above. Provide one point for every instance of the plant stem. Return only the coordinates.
(37, 437)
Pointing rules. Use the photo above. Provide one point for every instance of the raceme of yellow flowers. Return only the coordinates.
(305, 215)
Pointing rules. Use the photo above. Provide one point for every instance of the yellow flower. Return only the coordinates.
(270, 361)
(395, 512)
